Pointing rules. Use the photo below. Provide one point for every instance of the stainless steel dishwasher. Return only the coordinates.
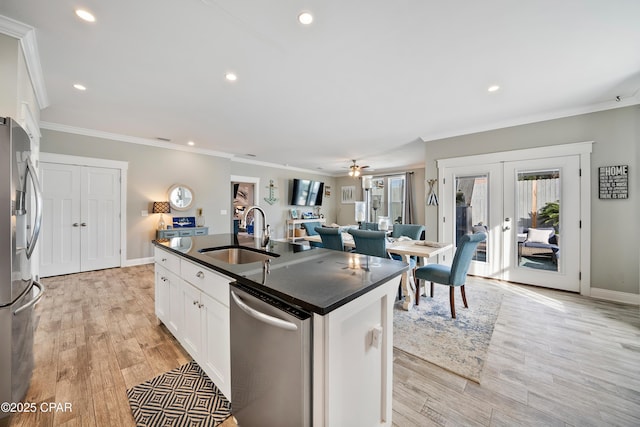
(270, 360)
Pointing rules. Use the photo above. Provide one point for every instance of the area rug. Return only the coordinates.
(184, 396)
(458, 345)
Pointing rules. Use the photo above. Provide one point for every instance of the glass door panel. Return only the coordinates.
(472, 210)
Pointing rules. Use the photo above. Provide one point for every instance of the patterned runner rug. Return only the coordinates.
(184, 396)
(458, 345)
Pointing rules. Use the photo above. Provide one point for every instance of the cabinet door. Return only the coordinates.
(162, 293)
(191, 336)
(176, 306)
(216, 360)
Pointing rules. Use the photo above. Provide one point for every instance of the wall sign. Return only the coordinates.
(614, 182)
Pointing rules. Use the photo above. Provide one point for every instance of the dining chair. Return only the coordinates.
(331, 238)
(456, 274)
(369, 242)
(310, 228)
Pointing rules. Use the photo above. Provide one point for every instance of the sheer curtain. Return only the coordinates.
(408, 199)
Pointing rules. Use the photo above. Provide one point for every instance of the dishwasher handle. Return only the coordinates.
(258, 315)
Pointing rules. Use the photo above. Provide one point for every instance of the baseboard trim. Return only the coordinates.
(616, 296)
(138, 261)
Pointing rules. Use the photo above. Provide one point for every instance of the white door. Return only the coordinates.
(60, 233)
(100, 213)
(506, 200)
(542, 249)
(81, 219)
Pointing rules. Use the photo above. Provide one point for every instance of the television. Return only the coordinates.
(305, 192)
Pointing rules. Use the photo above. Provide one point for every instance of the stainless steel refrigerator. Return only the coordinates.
(20, 220)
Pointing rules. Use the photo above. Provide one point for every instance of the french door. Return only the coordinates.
(530, 210)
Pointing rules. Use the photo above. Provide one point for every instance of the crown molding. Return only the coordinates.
(130, 139)
(625, 101)
(27, 36)
(278, 166)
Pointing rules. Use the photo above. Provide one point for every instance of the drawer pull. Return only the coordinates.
(199, 274)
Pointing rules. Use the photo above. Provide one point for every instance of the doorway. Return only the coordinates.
(531, 204)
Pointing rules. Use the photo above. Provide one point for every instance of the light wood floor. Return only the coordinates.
(555, 359)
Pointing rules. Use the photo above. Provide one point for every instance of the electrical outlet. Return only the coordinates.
(144, 213)
(223, 211)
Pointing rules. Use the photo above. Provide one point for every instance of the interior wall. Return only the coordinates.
(616, 133)
(345, 212)
(152, 170)
(278, 213)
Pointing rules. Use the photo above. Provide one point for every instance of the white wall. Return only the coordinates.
(615, 252)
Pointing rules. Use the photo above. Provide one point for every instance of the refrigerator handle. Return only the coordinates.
(31, 244)
(34, 300)
(258, 315)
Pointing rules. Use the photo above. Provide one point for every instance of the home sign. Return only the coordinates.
(614, 182)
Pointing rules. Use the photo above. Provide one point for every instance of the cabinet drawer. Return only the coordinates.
(200, 232)
(184, 233)
(209, 282)
(169, 261)
(167, 234)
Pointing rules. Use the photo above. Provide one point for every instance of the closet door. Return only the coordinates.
(81, 219)
(60, 234)
(100, 211)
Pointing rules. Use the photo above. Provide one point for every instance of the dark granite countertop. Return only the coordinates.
(316, 280)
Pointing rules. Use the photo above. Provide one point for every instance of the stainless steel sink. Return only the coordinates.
(236, 255)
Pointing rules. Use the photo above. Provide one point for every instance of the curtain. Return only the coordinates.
(408, 198)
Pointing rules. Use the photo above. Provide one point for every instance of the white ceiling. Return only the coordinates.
(367, 80)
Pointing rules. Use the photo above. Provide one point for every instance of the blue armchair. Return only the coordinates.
(456, 275)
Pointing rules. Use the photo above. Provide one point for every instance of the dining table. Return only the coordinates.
(406, 248)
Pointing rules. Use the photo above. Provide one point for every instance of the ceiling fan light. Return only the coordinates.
(357, 172)
(351, 172)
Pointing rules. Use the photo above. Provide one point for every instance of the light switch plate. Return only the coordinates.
(144, 213)
(223, 211)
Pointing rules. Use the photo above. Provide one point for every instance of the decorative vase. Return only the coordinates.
(199, 218)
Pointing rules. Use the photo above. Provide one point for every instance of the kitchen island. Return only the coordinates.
(349, 297)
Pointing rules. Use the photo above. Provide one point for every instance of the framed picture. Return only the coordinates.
(294, 213)
(349, 194)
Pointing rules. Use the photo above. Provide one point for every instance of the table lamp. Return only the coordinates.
(161, 208)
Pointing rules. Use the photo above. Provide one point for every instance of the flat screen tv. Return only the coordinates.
(305, 192)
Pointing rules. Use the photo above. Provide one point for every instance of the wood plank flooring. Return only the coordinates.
(555, 359)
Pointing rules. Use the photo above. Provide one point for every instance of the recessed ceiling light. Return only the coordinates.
(231, 77)
(305, 18)
(191, 143)
(493, 88)
(79, 86)
(85, 15)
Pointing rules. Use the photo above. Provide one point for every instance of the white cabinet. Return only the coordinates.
(216, 343)
(162, 293)
(193, 302)
(191, 337)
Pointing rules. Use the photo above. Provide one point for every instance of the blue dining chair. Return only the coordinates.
(331, 238)
(369, 242)
(456, 275)
(310, 228)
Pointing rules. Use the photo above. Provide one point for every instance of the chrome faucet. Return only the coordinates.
(266, 234)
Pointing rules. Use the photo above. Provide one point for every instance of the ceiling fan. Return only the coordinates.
(355, 169)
